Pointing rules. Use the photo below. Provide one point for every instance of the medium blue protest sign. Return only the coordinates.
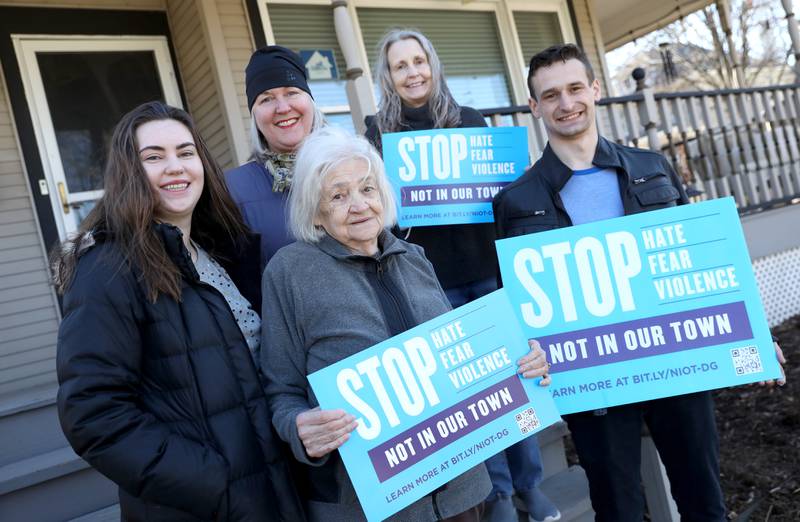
(449, 176)
(640, 307)
(433, 402)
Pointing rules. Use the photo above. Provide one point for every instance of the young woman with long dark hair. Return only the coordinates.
(159, 388)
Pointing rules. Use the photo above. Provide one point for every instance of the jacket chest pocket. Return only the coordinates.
(522, 222)
(654, 190)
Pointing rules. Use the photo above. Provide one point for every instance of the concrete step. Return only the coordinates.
(551, 446)
(586, 517)
(108, 514)
(39, 468)
(53, 486)
(569, 491)
(29, 425)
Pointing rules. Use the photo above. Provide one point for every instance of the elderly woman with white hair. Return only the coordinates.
(282, 114)
(345, 285)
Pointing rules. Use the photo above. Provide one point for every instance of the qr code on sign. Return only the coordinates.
(527, 421)
(746, 360)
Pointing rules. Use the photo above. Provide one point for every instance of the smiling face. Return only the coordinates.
(410, 71)
(174, 169)
(284, 117)
(565, 100)
(350, 208)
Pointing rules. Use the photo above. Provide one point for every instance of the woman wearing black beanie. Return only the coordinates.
(282, 114)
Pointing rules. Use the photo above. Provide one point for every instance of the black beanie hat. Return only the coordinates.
(273, 66)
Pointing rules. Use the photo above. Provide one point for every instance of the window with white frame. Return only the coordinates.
(310, 28)
(467, 42)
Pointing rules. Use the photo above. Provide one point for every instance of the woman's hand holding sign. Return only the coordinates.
(534, 364)
(323, 431)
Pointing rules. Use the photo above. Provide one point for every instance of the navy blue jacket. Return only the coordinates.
(263, 210)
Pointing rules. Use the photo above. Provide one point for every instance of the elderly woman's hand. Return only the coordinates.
(323, 431)
(534, 363)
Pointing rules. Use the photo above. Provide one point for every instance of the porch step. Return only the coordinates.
(551, 446)
(39, 468)
(53, 486)
(109, 514)
(29, 425)
(569, 491)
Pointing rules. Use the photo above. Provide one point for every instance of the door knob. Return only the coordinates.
(62, 194)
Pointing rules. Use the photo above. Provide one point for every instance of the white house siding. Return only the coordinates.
(28, 309)
(590, 40)
(197, 77)
(239, 44)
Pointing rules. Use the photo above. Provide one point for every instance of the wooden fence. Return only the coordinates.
(743, 143)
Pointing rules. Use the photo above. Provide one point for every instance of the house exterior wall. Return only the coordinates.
(28, 309)
(591, 41)
(149, 5)
(196, 68)
(29, 312)
(239, 46)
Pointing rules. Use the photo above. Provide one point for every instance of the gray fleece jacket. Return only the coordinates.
(321, 304)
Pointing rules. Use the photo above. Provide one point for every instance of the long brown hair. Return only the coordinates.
(126, 212)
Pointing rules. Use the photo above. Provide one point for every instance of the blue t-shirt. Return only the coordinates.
(591, 195)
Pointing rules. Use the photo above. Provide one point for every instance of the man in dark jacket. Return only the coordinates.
(580, 178)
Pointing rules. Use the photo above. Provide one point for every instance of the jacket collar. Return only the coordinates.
(557, 174)
(388, 245)
(172, 237)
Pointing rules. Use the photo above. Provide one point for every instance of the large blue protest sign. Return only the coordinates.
(433, 402)
(449, 176)
(641, 307)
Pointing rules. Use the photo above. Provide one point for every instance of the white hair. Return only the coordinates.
(258, 144)
(320, 154)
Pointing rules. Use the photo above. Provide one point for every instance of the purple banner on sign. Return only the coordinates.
(647, 337)
(449, 194)
(446, 427)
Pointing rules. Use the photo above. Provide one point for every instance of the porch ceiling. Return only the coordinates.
(623, 20)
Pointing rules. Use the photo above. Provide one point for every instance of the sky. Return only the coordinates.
(616, 59)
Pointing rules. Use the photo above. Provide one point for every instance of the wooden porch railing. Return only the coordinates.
(743, 143)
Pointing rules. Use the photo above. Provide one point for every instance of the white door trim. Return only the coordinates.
(26, 46)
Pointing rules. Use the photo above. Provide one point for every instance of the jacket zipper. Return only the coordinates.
(211, 441)
(392, 298)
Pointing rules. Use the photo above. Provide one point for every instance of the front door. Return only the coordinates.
(77, 89)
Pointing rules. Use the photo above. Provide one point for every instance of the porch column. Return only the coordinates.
(357, 88)
(794, 34)
(724, 10)
(648, 110)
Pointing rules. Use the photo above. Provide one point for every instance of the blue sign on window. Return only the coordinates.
(320, 64)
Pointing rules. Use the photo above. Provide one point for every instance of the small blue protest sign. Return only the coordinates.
(433, 402)
(641, 307)
(449, 176)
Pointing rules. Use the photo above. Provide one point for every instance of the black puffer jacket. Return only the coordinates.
(164, 399)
